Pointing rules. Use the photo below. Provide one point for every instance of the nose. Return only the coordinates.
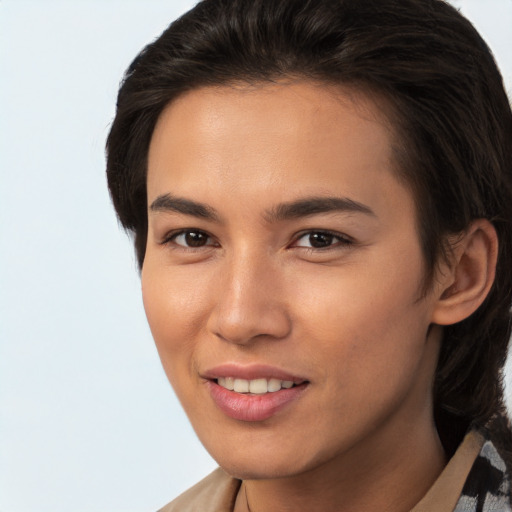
(250, 303)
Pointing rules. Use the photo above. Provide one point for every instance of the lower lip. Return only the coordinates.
(247, 407)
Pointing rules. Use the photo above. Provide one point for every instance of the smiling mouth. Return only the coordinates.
(255, 399)
(254, 386)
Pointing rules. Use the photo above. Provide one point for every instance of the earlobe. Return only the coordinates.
(466, 281)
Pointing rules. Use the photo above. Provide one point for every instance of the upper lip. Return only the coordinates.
(250, 372)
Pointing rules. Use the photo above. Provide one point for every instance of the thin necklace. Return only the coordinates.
(247, 499)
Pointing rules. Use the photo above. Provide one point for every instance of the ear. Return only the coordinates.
(465, 282)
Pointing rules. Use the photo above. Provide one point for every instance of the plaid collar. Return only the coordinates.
(487, 488)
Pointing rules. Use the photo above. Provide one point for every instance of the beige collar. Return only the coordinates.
(444, 494)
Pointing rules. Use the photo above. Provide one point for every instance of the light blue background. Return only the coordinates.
(88, 421)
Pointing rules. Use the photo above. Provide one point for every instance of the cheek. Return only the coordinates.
(368, 319)
(173, 308)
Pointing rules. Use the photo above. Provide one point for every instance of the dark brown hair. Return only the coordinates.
(450, 114)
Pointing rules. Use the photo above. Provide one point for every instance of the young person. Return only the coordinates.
(321, 198)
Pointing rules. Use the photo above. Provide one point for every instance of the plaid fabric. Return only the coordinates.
(487, 488)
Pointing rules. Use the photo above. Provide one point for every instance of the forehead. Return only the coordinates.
(244, 149)
(238, 129)
(315, 101)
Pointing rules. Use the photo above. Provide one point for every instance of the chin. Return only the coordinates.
(263, 461)
(259, 470)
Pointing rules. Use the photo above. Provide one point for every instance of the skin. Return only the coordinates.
(348, 316)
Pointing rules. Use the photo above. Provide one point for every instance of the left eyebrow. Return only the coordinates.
(168, 203)
(315, 205)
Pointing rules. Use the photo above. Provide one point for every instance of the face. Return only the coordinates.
(282, 277)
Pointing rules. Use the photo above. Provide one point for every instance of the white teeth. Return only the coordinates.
(241, 386)
(258, 386)
(227, 382)
(254, 386)
(274, 385)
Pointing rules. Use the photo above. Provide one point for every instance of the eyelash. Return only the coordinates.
(170, 238)
(341, 240)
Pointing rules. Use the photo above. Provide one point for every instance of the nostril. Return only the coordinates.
(258, 324)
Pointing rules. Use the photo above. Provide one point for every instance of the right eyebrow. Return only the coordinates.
(309, 206)
(169, 203)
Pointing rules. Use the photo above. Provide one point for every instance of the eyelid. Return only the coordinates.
(343, 240)
(170, 238)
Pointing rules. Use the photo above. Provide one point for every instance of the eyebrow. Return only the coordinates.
(168, 203)
(285, 211)
(315, 205)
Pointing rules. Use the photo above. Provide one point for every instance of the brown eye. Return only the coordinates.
(319, 240)
(322, 240)
(191, 238)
